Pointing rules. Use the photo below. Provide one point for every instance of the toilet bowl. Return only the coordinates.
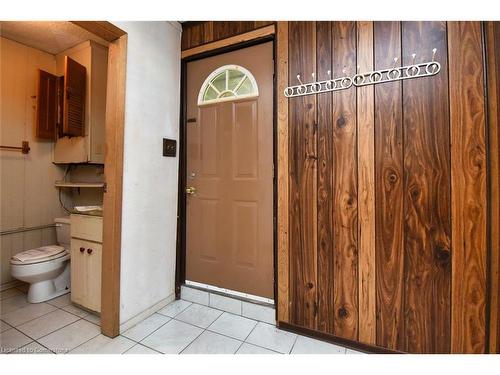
(46, 268)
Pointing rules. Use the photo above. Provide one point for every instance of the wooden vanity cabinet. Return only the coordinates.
(86, 260)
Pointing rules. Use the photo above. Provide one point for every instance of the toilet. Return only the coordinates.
(46, 268)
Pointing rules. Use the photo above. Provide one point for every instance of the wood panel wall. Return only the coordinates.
(24, 178)
(196, 33)
(388, 204)
(492, 33)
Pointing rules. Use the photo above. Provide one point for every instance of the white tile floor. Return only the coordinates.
(184, 327)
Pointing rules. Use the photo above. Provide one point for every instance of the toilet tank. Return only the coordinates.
(63, 233)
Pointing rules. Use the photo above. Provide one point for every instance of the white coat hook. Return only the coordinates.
(413, 55)
(344, 71)
(298, 78)
(329, 83)
(434, 50)
(313, 75)
(432, 67)
(395, 61)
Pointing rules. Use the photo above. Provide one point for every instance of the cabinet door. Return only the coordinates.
(75, 80)
(46, 105)
(93, 255)
(78, 272)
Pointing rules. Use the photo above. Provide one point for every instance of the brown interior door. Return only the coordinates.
(75, 79)
(229, 221)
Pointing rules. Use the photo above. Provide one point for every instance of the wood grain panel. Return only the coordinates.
(200, 32)
(226, 29)
(112, 201)
(389, 191)
(468, 166)
(196, 33)
(231, 41)
(345, 186)
(303, 174)
(366, 188)
(493, 66)
(283, 259)
(427, 194)
(325, 181)
(426, 169)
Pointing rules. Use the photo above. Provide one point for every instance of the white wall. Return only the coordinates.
(149, 214)
(28, 195)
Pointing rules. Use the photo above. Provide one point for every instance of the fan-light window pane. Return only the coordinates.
(245, 88)
(219, 82)
(235, 77)
(229, 82)
(210, 94)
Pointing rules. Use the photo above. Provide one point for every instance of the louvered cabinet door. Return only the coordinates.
(46, 108)
(74, 101)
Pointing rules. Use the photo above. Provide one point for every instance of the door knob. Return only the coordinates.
(82, 249)
(190, 190)
(89, 251)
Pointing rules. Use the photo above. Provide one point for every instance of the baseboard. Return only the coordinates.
(351, 344)
(146, 313)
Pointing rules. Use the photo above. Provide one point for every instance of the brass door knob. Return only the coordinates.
(190, 190)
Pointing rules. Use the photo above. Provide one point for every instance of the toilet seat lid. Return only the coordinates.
(39, 254)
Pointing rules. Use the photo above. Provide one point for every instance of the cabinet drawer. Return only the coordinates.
(86, 227)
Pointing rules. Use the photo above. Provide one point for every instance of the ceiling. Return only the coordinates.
(49, 36)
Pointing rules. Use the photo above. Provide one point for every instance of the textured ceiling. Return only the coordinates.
(49, 36)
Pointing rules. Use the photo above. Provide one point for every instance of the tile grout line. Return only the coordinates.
(30, 319)
(170, 319)
(58, 329)
(158, 312)
(149, 334)
(93, 337)
(253, 329)
(249, 333)
(193, 339)
(79, 318)
(31, 338)
(294, 342)
(43, 346)
(137, 343)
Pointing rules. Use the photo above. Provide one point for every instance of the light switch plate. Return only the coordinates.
(169, 147)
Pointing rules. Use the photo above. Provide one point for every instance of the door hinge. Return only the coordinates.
(105, 187)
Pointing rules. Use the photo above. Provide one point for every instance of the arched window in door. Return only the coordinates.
(229, 82)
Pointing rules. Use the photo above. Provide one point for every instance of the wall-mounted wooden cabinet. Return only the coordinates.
(75, 144)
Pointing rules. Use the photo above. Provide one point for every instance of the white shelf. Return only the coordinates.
(79, 184)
